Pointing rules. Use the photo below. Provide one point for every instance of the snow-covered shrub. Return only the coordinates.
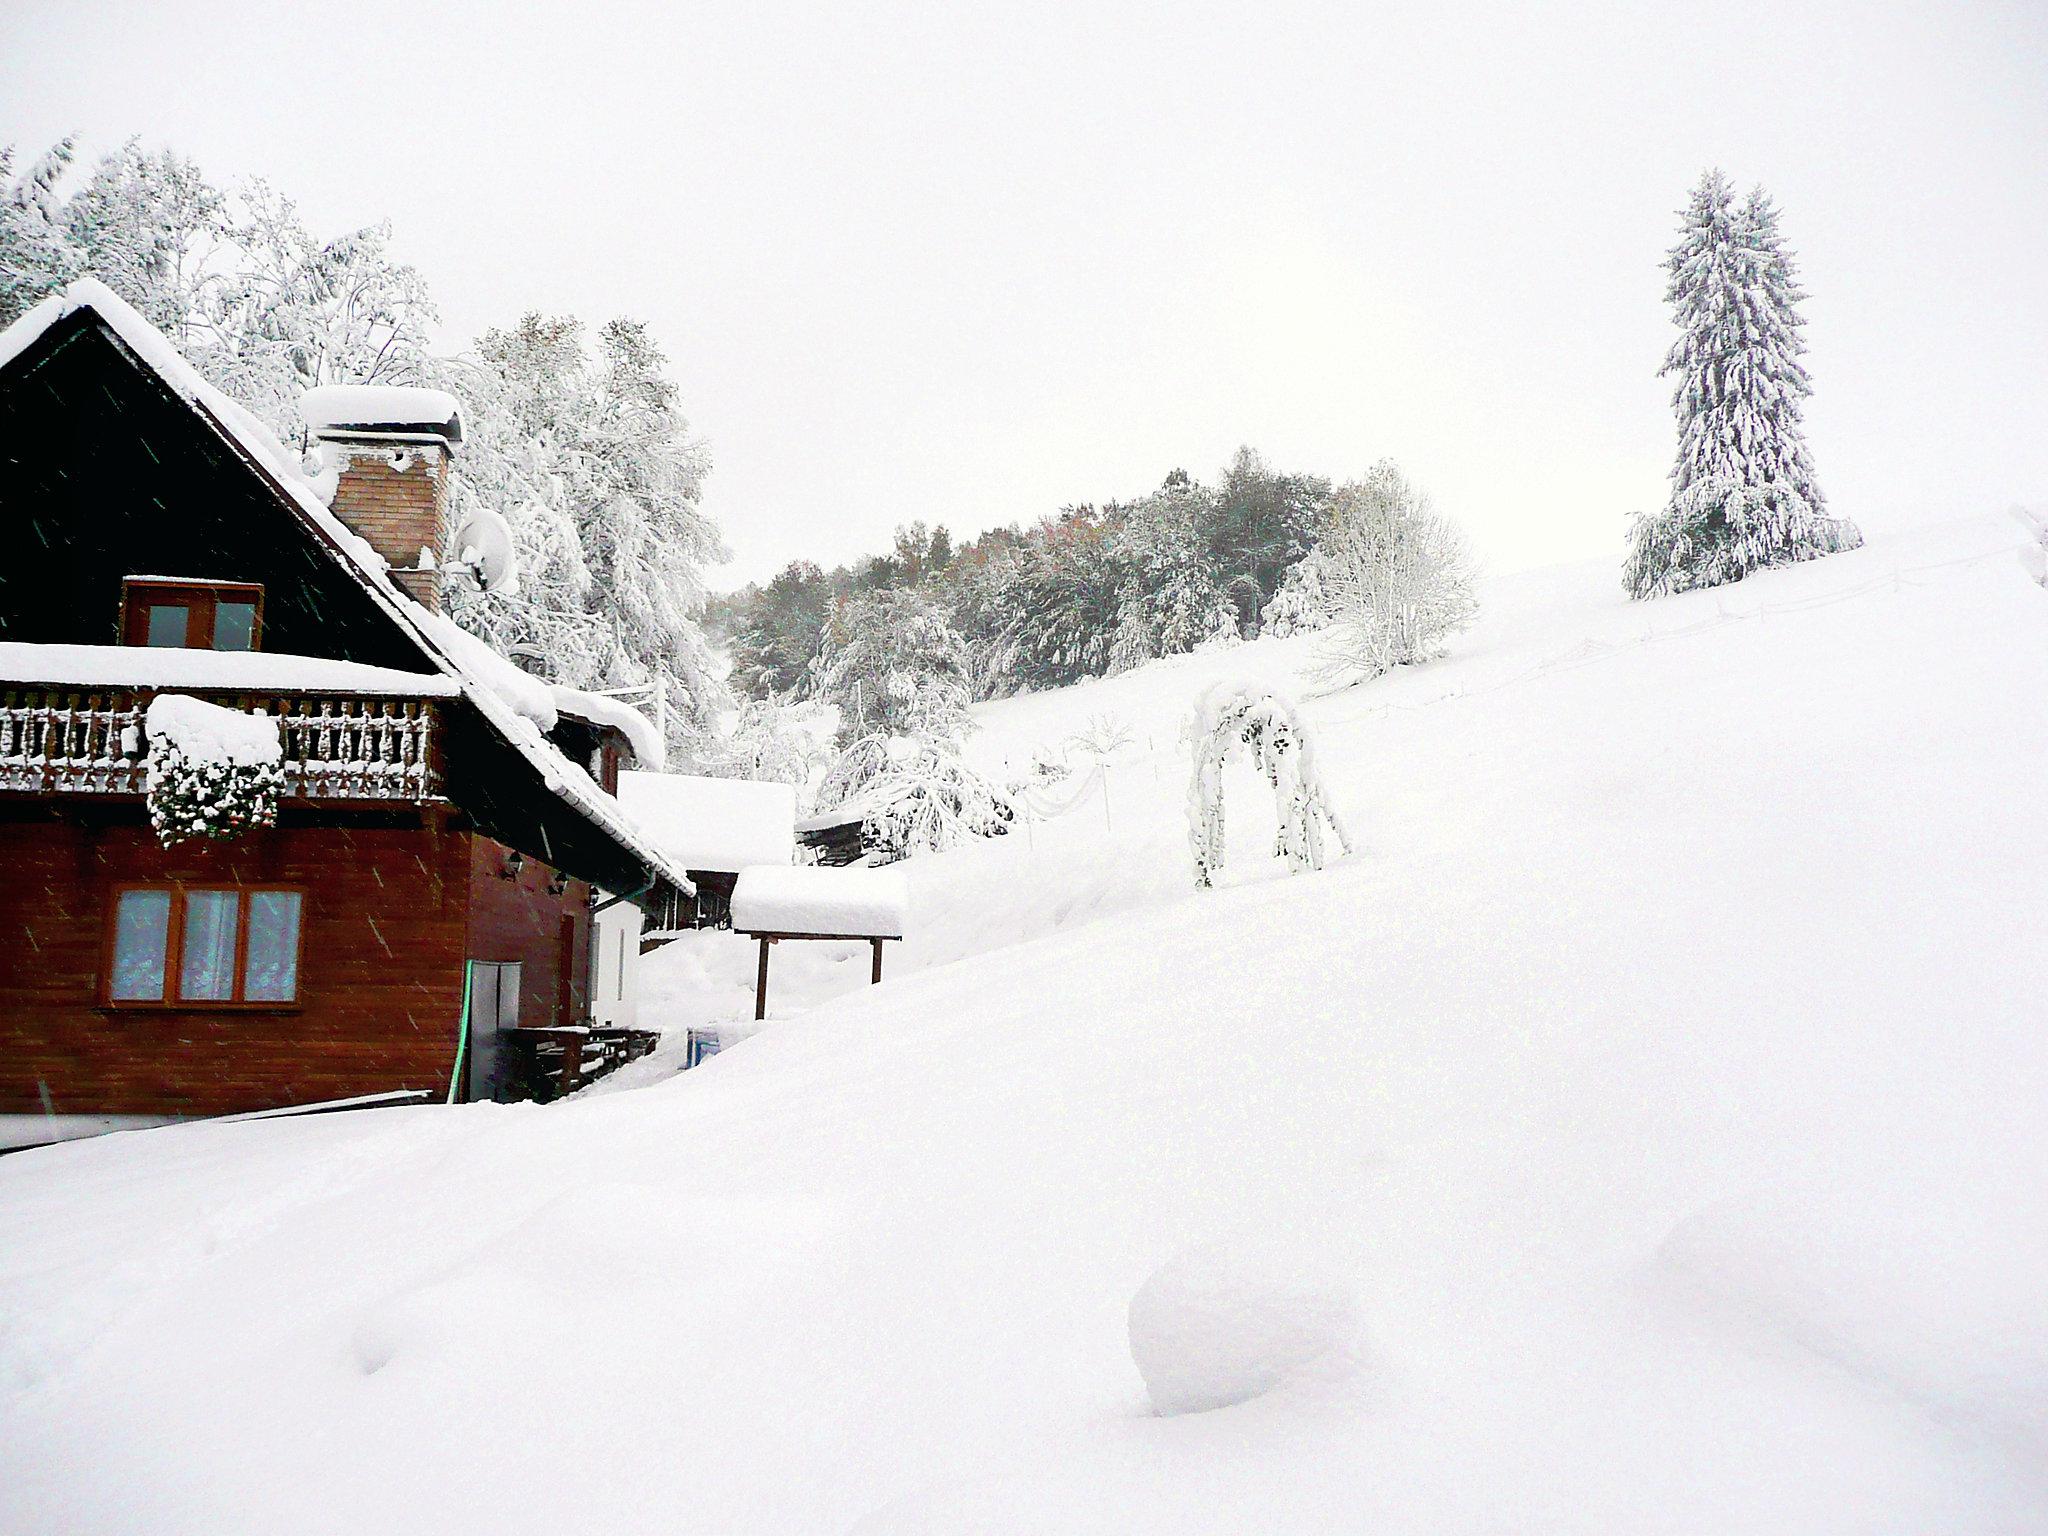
(1043, 771)
(1104, 736)
(213, 773)
(1743, 496)
(1244, 719)
(915, 797)
(1394, 576)
(1222, 1324)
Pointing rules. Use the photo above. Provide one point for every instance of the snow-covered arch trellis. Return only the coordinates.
(1243, 718)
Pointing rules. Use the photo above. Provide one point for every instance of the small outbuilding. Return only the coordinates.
(806, 902)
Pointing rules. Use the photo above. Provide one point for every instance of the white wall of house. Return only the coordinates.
(615, 966)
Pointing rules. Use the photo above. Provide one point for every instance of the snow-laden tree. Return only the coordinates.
(1394, 576)
(156, 231)
(1743, 495)
(777, 629)
(298, 311)
(770, 740)
(248, 294)
(1244, 720)
(894, 666)
(1300, 605)
(588, 455)
(914, 796)
(1171, 601)
(35, 252)
(1259, 522)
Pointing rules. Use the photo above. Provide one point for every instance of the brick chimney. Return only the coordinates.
(391, 450)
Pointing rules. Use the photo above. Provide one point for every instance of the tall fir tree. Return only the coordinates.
(1743, 494)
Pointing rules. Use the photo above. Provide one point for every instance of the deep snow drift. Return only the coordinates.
(1655, 1099)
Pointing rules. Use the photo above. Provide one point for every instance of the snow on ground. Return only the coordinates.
(1656, 1097)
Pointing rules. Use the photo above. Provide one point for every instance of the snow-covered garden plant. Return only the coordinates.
(1743, 496)
(214, 773)
(1244, 719)
(1394, 578)
(915, 797)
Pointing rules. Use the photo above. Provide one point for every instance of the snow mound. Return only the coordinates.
(207, 733)
(1224, 1323)
(1917, 1286)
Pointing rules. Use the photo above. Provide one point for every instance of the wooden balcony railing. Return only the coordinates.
(94, 741)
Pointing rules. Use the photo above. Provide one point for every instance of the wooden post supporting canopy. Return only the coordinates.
(761, 976)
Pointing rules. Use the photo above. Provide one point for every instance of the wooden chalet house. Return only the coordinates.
(445, 829)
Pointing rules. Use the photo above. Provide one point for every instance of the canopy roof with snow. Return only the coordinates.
(805, 901)
(123, 413)
(713, 824)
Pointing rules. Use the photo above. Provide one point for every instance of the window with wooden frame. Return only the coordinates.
(196, 615)
(186, 946)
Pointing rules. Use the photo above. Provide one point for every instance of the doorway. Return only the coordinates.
(493, 1009)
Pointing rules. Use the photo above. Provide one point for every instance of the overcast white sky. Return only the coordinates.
(968, 262)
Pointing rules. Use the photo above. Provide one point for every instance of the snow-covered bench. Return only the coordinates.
(773, 902)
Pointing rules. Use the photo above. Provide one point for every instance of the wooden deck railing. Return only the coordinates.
(94, 741)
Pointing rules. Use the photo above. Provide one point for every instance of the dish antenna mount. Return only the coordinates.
(484, 552)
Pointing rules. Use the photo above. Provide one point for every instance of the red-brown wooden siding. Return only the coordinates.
(391, 912)
(519, 920)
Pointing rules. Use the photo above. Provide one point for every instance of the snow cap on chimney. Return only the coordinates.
(389, 413)
(388, 449)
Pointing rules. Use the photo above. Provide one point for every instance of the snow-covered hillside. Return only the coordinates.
(1659, 1086)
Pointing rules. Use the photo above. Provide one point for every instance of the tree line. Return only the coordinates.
(1089, 591)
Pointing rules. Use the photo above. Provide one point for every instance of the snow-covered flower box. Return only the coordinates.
(214, 773)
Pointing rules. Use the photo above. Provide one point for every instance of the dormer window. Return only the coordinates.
(195, 615)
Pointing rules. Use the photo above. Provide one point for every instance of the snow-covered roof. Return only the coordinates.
(510, 708)
(649, 750)
(383, 410)
(529, 697)
(717, 824)
(842, 815)
(806, 899)
(136, 666)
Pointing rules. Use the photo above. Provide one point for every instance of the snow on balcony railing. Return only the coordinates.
(73, 741)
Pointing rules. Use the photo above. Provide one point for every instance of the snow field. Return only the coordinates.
(1658, 1084)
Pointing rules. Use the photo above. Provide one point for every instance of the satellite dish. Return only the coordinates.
(483, 547)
